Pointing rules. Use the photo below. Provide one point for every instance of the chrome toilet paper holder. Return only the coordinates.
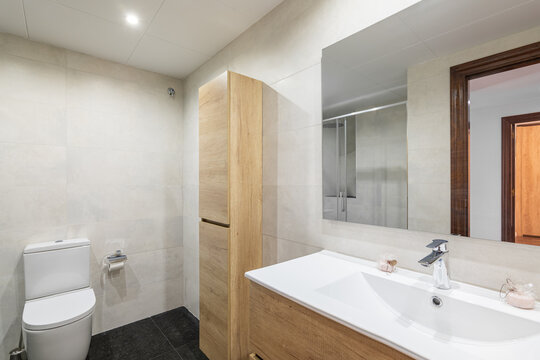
(115, 262)
(116, 257)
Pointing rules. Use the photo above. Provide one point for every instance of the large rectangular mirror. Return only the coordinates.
(431, 118)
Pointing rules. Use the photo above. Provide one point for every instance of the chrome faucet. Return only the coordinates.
(440, 273)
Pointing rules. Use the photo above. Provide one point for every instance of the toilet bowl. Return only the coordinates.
(57, 315)
(59, 327)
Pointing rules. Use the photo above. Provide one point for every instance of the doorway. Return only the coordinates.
(520, 179)
(460, 76)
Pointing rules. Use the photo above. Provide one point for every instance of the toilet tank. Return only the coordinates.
(56, 267)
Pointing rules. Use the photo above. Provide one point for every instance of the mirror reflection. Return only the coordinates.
(511, 97)
(369, 185)
(434, 125)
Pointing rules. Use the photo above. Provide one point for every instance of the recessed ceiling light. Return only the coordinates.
(132, 19)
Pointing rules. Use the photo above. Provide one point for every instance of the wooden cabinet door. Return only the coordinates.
(214, 150)
(527, 179)
(281, 329)
(245, 173)
(213, 290)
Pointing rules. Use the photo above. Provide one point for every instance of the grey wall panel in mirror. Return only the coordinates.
(365, 167)
(386, 104)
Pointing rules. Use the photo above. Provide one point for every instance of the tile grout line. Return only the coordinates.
(25, 20)
(162, 333)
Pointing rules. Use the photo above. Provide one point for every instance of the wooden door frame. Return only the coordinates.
(459, 122)
(508, 169)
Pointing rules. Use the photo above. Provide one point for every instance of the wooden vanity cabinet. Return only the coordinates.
(230, 208)
(281, 329)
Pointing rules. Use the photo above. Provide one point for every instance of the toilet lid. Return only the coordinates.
(58, 310)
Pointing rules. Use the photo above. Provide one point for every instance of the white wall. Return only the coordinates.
(284, 50)
(485, 176)
(89, 148)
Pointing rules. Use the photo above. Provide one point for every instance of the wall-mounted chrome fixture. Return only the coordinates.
(116, 261)
(171, 91)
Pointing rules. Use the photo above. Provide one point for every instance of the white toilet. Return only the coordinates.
(57, 316)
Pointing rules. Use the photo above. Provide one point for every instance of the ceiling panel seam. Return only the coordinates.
(145, 31)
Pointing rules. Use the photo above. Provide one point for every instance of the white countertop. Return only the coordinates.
(308, 281)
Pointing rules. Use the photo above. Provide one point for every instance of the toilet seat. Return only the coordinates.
(58, 310)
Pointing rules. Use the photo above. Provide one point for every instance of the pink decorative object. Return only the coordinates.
(518, 295)
(524, 301)
(387, 263)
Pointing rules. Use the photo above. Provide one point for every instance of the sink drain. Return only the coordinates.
(436, 301)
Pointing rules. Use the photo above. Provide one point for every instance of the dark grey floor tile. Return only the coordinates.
(190, 316)
(178, 325)
(191, 351)
(139, 340)
(169, 355)
(100, 347)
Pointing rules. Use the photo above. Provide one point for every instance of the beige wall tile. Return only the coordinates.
(287, 250)
(270, 110)
(121, 115)
(24, 121)
(191, 282)
(97, 66)
(26, 164)
(299, 154)
(428, 165)
(117, 305)
(93, 203)
(429, 208)
(270, 250)
(270, 158)
(14, 45)
(90, 148)
(429, 131)
(130, 236)
(190, 195)
(23, 78)
(142, 268)
(114, 167)
(299, 213)
(32, 206)
(299, 99)
(429, 95)
(270, 210)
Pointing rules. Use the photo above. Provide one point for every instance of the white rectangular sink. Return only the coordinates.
(404, 310)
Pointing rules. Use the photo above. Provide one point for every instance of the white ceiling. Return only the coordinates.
(509, 87)
(369, 68)
(174, 37)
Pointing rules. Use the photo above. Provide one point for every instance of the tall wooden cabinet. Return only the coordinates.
(230, 208)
